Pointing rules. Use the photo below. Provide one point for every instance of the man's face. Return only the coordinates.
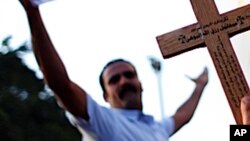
(122, 86)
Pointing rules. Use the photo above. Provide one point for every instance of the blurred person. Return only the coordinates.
(122, 89)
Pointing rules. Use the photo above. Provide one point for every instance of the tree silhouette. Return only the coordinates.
(24, 116)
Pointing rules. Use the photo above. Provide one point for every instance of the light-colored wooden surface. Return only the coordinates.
(214, 31)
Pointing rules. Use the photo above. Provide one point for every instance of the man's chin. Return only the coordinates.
(133, 104)
(131, 98)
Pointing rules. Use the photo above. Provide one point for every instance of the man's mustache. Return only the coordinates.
(126, 88)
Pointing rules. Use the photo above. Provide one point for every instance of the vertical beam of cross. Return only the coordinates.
(213, 31)
(223, 56)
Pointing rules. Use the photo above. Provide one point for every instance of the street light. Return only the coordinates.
(156, 65)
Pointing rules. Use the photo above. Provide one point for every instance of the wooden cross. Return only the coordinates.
(214, 31)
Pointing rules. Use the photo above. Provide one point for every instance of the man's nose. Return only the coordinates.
(124, 80)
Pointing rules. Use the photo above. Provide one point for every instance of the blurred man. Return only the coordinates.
(122, 89)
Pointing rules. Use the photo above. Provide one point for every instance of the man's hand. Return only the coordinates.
(202, 79)
(245, 110)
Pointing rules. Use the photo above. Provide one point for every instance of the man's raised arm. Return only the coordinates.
(68, 93)
(185, 112)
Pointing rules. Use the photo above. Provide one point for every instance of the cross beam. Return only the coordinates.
(214, 31)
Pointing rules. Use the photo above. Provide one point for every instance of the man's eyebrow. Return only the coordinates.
(113, 77)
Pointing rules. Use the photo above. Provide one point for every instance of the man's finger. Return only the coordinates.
(245, 110)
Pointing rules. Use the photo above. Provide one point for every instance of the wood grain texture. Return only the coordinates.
(214, 31)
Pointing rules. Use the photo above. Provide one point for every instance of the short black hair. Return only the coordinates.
(107, 65)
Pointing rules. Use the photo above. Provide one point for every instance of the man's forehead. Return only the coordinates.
(117, 68)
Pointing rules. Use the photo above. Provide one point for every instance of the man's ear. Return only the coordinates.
(141, 89)
(105, 97)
